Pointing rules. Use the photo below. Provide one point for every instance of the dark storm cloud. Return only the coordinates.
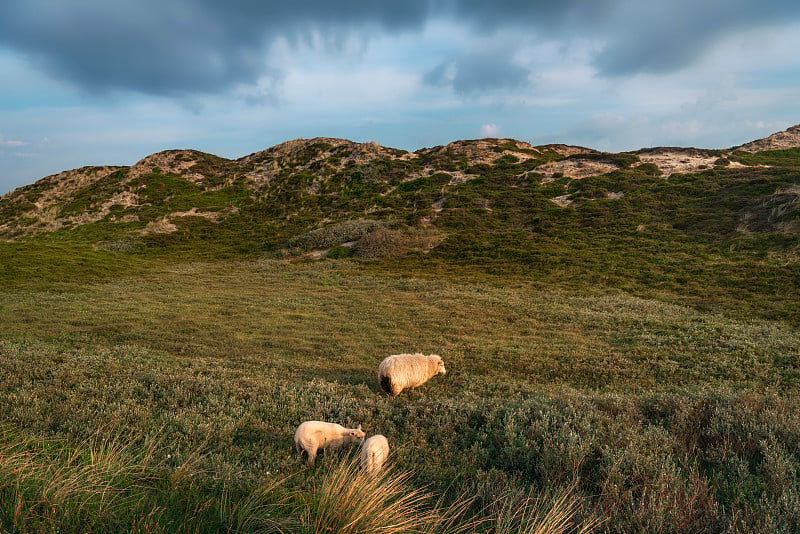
(180, 46)
(639, 36)
(204, 46)
(662, 37)
(544, 15)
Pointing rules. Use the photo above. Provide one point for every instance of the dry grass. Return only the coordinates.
(349, 500)
(553, 513)
(46, 487)
(103, 486)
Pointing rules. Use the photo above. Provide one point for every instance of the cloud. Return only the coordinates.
(477, 73)
(664, 37)
(490, 130)
(8, 143)
(723, 92)
(641, 37)
(611, 132)
(205, 46)
(182, 46)
(441, 75)
(544, 15)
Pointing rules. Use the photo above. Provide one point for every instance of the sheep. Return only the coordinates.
(374, 452)
(401, 371)
(311, 436)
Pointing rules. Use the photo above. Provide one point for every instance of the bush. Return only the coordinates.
(393, 242)
(722, 162)
(339, 252)
(334, 235)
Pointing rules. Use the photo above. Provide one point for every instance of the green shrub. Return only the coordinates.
(339, 252)
(334, 235)
(722, 162)
(508, 159)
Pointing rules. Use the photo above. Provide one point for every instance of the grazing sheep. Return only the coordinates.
(374, 452)
(314, 435)
(401, 371)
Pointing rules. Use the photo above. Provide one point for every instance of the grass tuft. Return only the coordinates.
(551, 513)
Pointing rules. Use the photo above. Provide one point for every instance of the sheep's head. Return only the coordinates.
(357, 434)
(441, 370)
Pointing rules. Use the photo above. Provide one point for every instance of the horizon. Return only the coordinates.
(108, 83)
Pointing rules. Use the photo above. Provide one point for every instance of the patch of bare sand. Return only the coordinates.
(671, 161)
(573, 168)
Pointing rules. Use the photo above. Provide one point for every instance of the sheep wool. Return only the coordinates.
(311, 436)
(374, 452)
(402, 371)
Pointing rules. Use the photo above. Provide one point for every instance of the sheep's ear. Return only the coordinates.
(359, 427)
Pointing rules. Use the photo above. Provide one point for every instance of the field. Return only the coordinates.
(162, 394)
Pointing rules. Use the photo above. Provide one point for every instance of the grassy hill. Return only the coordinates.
(623, 327)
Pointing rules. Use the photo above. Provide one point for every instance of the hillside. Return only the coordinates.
(687, 223)
(335, 171)
(620, 333)
(287, 173)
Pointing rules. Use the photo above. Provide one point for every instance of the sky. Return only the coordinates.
(108, 82)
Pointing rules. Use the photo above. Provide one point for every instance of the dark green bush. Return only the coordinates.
(339, 252)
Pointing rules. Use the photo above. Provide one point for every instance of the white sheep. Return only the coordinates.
(374, 452)
(312, 436)
(401, 371)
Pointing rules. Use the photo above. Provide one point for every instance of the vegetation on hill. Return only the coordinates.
(622, 343)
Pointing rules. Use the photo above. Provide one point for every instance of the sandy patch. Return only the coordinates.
(161, 226)
(573, 168)
(565, 200)
(684, 161)
(562, 201)
(215, 216)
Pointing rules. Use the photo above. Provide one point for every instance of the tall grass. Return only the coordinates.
(550, 513)
(104, 486)
(47, 487)
(349, 500)
(109, 485)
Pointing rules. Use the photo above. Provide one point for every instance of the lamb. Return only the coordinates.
(401, 371)
(374, 452)
(312, 436)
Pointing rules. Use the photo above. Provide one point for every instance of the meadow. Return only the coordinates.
(162, 394)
